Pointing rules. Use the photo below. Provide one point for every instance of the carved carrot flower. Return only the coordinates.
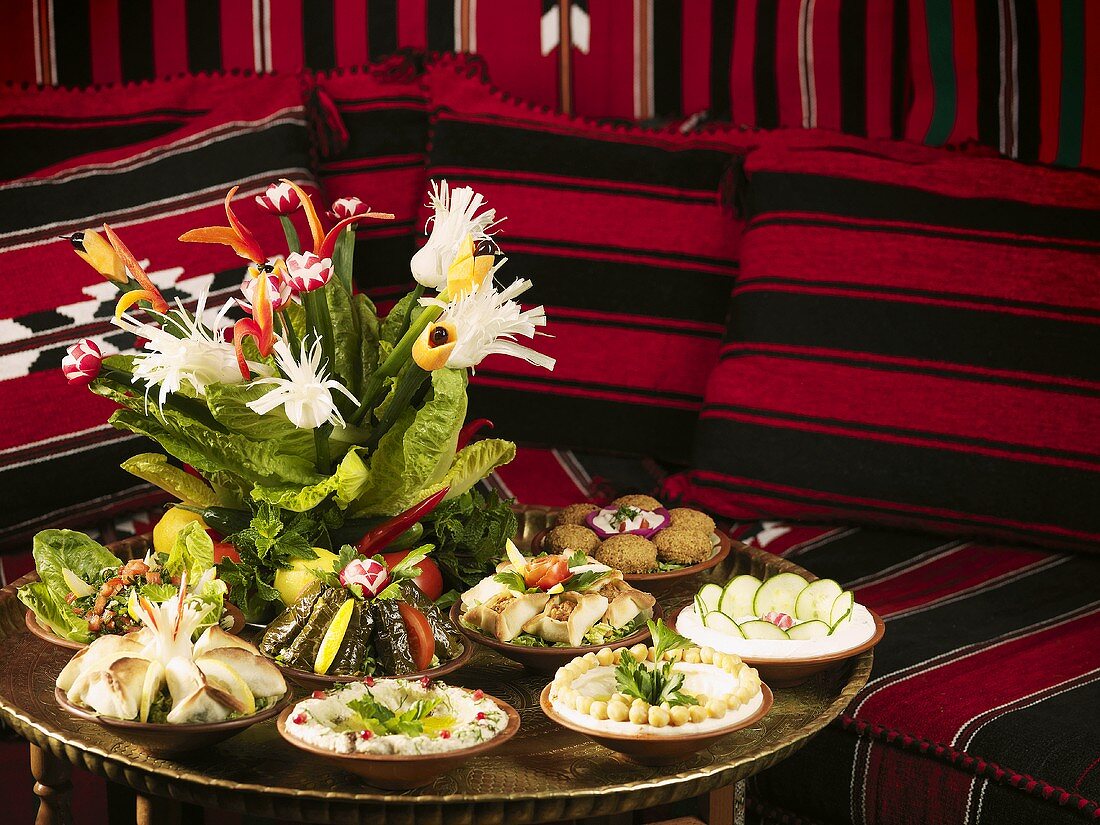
(260, 327)
(237, 236)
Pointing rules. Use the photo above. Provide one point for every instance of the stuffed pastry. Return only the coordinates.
(97, 656)
(214, 638)
(505, 614)
(114, 690)
(624, 602)
(567, 617)
(207, 704)
(261, 676)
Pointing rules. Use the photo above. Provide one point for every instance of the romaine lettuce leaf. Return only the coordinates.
(54, 613)
(155, 469)
(227, 405)
(193, 552)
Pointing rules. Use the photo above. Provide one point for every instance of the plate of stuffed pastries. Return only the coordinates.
(545, 610)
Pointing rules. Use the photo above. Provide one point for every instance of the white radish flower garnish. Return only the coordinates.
(480, 324)
(200, 357)
(348, 207)
(455, 217)
(368, 574)
(306, 393)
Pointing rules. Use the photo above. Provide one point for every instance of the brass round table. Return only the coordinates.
(544, 774)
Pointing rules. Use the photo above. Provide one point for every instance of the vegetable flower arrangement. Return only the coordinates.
(311, 403)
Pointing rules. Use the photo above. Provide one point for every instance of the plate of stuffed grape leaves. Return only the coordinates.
(363, 620)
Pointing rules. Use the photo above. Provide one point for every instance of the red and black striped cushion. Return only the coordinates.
(1017, 75)
(384, 108)
(621, 232)
(163, 156)
(979, 710)
(912, 340)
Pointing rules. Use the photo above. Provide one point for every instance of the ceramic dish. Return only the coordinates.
(657, 749)
(169, 740)
(788, 672)
(546, 658)
(47, 635)
(659, 583)
(315, 681)
(403, 771)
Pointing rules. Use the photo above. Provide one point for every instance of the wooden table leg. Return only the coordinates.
(156, 810)
(52, 786)
(726, 806)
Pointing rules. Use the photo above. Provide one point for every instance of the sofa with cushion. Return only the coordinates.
(874, 356)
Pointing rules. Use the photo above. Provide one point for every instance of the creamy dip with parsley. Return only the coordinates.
(700, 680)
(627, 520)
(396, 716)
(848, 635)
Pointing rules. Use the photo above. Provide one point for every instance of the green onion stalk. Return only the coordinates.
(291, 233)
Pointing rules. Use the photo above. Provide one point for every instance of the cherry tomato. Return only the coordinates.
(430, 580)
(421, 641)
(558, 572)
(224, 550)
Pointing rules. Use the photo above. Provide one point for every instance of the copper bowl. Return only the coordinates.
(162, 739)
(659, 583)
(657, 749)
(791, 672)
(45, 634)
(401, 772)
(315, 681)
(546, 659)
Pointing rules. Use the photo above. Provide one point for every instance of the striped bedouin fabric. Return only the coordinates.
(153, 160)
(912, 340)
(1020, 76)
(621, 231)
(980, 709)
(384, 110)
(839, 64)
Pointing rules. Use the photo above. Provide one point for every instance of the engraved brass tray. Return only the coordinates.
(545, 773)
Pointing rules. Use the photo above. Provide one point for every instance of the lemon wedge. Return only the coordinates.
(515, 557)
(223, 677)
(154, 678)
(333, 638)
(557, 588)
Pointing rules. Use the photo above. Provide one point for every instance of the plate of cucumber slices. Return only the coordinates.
(787, 626)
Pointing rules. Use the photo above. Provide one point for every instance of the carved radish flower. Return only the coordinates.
(308, 271)
(347, 208)
(369, 574)
(780, 620)
(82, 363)
(279, 199)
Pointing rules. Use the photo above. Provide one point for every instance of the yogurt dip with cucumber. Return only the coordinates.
(782, 617)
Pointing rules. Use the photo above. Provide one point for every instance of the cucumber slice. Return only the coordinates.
(757, 629)
(709, 595)
(778, 593)
(738, 595)
(719, 621)
(842, 608)
(813, 629)
(847, 617)
(701, 609)
(816, 600)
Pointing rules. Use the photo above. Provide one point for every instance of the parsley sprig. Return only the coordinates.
(578, 582)
(413, 721)
(659, 683)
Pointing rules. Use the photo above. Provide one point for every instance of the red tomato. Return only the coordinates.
(557, 573)
(225, 550)
(421, 640)
(537, 569)
(430, 581)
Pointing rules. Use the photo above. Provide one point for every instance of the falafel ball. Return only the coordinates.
(640, 501)
(691, 520)
(576, 513)
(679, 545)
(628, 553)
(569, 538)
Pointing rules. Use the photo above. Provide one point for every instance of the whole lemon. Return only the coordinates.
(291, 582)
(164, 534)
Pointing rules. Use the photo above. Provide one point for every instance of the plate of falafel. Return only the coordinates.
(653, 546)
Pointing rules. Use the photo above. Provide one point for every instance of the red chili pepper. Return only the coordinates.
(379, 538)
(467, 433)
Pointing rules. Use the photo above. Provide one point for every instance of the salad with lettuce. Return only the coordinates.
(84, 591)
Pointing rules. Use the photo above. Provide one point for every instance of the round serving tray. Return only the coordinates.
(545, 773)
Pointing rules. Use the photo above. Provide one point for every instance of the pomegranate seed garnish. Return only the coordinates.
(425, 682)
(369, 681)
(480, 715)
(479, 694)
(299, 719)
(444, 734)
(318, 694)
(365, 734)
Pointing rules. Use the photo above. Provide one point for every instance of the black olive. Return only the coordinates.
(77, 240)
(439, 336)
